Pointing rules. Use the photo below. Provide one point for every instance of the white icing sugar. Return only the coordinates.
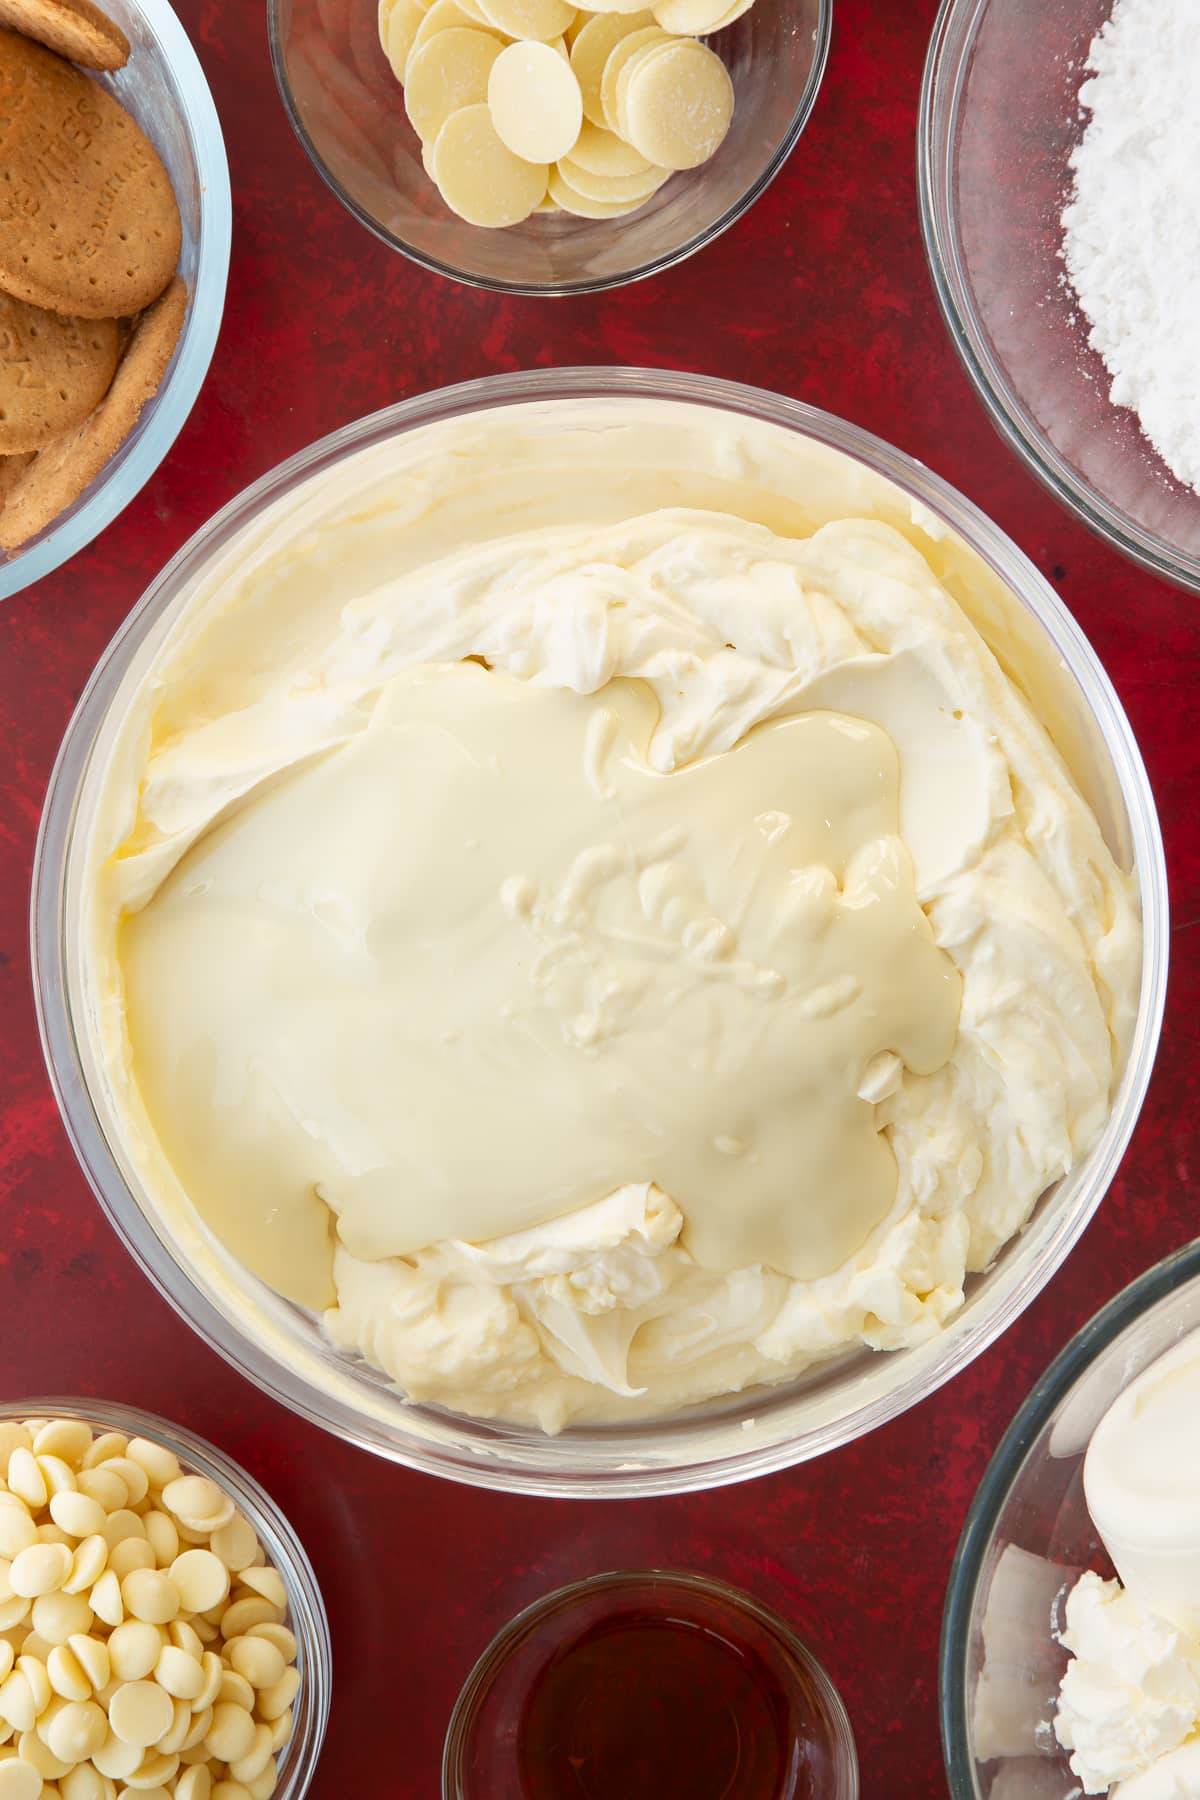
(1131, 228)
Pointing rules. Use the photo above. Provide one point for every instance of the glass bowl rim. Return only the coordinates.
(942, 97)
(1000, 1477)
(613, 1470)
(306, 1605)
(558, 289)
(171, 407)
(491, 1660)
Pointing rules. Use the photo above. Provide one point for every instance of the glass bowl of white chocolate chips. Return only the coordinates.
(718, 998)
(539, 147)
(161, 1628)
(1070, 1654)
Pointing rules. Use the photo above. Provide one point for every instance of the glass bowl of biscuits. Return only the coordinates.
(540, 147)
(112, 266)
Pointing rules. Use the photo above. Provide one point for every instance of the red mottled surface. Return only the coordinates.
(821, 290)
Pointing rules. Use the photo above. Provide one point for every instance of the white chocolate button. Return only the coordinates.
(236, 1691)
(194, 1784)
(194, 1497)
(131, 1472)
(107, 1489)
(274, 1700)
(479, 178)
(201, 1580)
(25, 1479)
(153, 1772)
(84, 1783)
(58, 1475)
(625, 51)
(247, 1768)
(535, 102)
(17, 1531)
(133, 1650)
(179, 1673)
(690, 18)
(601, 152)
(162, 1535)
(242, 1614)
(41, 1569)
(449, 72)
(540, 19)
(120, 1525)
(67, 1675)
(34, 1671)
(611, 188)
(116, 1759)
(677, 105)
(109, 1443)
(140, 1712)
(152, 1596)
(404, 20)
(591, 47)
(161, 1465)
(443, 15)
(260, 1663)
(78, 1731)
(213, 1669)
(76, 1514)
(39, 1756)
(268, 1583)
(231, 1734)
(93, 1658)
(183, 1637)
(235, 1544)
(131, 1554)
(87, 1565)
(16, 1702)
(19, 1782)
(105, 1599)
(13, 1436)
(572, 201)
(57, 1617)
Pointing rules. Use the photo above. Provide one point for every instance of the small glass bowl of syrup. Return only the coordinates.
(643, 1686)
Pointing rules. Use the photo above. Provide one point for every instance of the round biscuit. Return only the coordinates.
(89, 224)
(74, 28)
(53, 371)
(58, 475)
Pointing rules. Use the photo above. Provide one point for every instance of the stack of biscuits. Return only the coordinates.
(91, 306)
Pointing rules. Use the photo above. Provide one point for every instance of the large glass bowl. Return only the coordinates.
(163, 86)
(347, 109)
(306, 1617)
(999, 120)
(1043, 649)
(1029, 1535)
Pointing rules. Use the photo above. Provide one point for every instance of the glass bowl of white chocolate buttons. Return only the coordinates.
(375, 1071)
(161, 1628)
(1070, 1657)
(537, 146)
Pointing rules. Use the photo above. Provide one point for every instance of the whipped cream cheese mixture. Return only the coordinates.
(597, 934)
(1129, 1703)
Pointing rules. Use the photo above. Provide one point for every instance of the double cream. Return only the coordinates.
(598, 957)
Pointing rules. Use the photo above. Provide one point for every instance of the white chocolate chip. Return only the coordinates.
(78, 1731)
(201, 1580)
(161, 1465)
(231, 1734)
(140, 1712)
(25, 1479)
(77, 1514)
(179, 1673)
(19, 1782)
(133, 1650)
(41, 1569)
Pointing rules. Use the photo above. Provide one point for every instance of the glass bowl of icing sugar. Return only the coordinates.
(1057, 150)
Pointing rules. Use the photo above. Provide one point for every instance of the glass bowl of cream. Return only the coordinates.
(1070, 1656)
(1001, 117)
(549, 802)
